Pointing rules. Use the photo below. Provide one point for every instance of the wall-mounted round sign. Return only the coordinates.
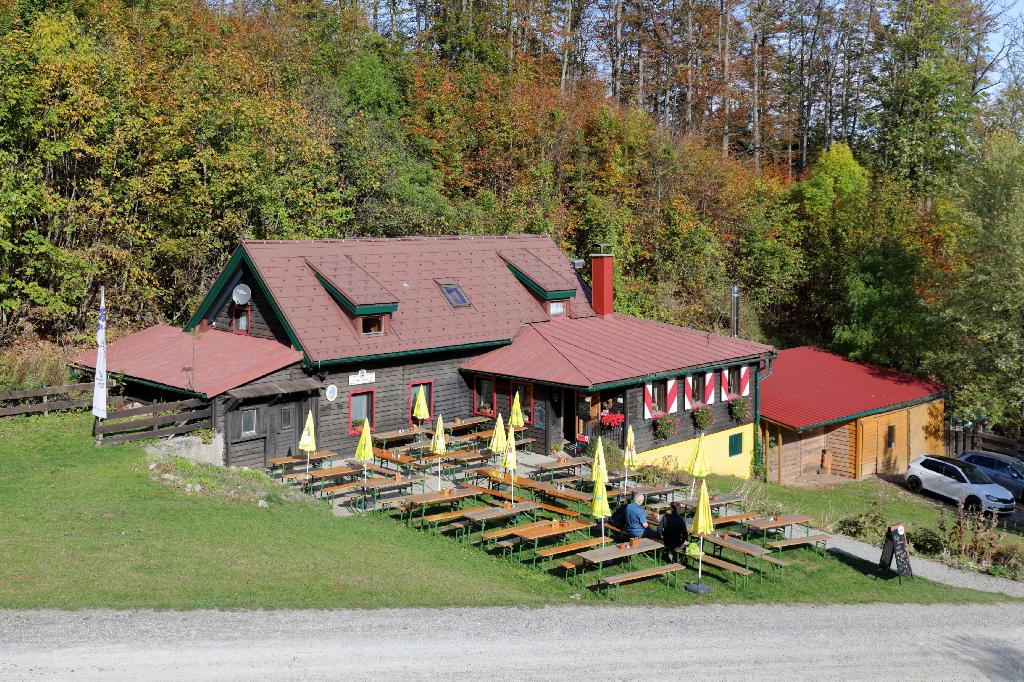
(332, 393)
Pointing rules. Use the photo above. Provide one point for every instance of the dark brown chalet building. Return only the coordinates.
(353, 328)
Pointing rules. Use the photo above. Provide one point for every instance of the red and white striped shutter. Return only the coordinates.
(725, 384)
(745, 380)
(648, 401)
(670, 396)
(709, 388)
(688, 393)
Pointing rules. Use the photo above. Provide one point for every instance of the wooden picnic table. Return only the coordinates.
(556, 528)
(566, 464)
(559, 491)
(737, 545)
(482, 516)
(313, 457)
(722, 502)
(373, 487)
(407, 433)
(655, 491)
(336, 472)
(424, 500)
(783, 522)
(599, 557)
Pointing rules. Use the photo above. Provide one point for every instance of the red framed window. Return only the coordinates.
(485, 396)
(428, 393)
(525, 399)
(361, 405)
(241, 316)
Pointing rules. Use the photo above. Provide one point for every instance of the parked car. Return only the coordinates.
(1005, 470)
(959, 481)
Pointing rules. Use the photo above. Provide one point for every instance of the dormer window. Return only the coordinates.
(240, 320)
(371, 325)
(556, 308)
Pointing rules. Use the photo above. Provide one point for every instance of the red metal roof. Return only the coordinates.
(543, 275)
(602, 350)
(810, 387)
(218, 362)
(409, 269)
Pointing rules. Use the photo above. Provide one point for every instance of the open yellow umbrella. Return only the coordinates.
(515, 417)
(307, 442)
(508, 459)
(600, 509)
(364, 448)
(438, 446)
(629, 455)
(419, 408)
(698, 466)
(703, 523)
(497, 444)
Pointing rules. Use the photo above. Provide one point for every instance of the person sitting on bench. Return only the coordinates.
(672, 529)
(636, 520)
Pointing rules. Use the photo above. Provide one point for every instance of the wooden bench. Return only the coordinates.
(734, 518)
(501, 495)
(642, 574)
(558, 550)
(734, 569)
(776, 564)
(449, 516)
(394, 502)
(570, 566)
(816, 541)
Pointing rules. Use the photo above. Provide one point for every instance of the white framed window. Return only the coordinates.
(556, 308)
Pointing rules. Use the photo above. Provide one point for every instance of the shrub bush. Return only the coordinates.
(868, 526)
(1010, 558)
(613, 457)
(926, 541)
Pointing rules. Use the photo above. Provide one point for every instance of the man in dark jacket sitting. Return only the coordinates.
(673, 529)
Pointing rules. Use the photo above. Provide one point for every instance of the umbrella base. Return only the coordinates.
(698, 588)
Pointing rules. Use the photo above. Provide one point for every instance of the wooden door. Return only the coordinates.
(893, 446)
(867, 444)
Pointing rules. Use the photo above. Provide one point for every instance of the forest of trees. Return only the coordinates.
(856, 166)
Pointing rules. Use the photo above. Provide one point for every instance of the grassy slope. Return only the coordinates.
(86, 527)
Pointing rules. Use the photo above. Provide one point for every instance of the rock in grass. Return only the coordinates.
(262, 504)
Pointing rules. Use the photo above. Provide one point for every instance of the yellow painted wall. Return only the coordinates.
(716, 446)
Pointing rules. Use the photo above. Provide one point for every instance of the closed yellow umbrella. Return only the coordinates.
(497, 444)
(508, 459)
(599, 509)
(364, 448)
(598, 468)
(307, 442)
(703, 523)
(515, 417)
(629, 455)
(419, 408)
(698, 466)
(438, 446)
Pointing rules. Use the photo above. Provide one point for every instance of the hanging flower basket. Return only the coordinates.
(703, 417)
(739, 409)
(664, 426)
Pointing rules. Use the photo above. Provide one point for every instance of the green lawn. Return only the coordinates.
(86, 527)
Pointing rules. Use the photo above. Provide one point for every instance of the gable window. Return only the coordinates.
(249, 421)
(734, 381)
(556, 309)
(360, 407)
(525, 399)
(697, 388)
(428, 395)
(890, 437)
(371, 325)
(484, 396)
(455, 295)
(240, 319)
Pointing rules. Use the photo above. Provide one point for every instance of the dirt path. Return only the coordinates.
(705, 642)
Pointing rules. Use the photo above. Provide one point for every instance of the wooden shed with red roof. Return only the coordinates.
(823, 413)
(352, 329)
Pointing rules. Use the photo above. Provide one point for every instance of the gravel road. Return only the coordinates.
(869, 642)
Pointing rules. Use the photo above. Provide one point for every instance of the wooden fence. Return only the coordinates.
(155, 420)
(960, 440)
(48, 399)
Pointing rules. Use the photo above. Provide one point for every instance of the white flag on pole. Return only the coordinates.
(99, 389)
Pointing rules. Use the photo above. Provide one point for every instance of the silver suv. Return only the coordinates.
(959, 481)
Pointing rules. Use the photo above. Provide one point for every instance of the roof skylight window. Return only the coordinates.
(455, 295)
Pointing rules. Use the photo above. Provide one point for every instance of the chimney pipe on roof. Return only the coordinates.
(602, 276)
(735, 310)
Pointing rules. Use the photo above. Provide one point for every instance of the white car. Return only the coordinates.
(959, 481)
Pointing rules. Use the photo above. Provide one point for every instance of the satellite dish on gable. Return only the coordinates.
(241, 294)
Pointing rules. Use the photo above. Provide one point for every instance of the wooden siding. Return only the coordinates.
(927, 430)
(263, 321)
(841, 443)
(792, 456)
(875, 456)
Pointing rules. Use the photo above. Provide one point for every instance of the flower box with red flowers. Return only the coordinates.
(611, 420)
